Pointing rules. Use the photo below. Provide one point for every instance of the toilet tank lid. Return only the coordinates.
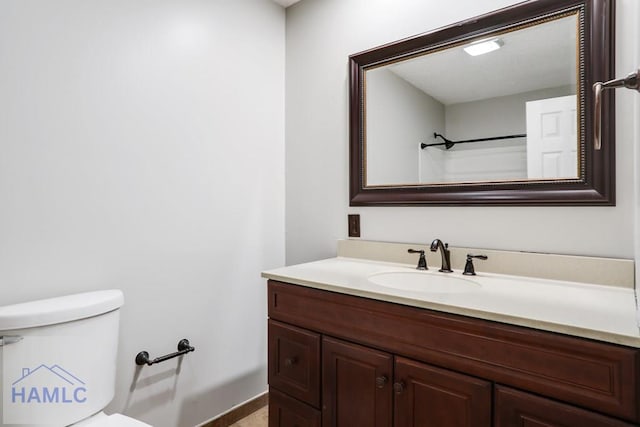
(52, 311)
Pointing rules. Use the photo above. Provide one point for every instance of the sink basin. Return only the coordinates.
(421, 281)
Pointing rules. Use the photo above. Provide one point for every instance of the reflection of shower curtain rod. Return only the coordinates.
(448, 143)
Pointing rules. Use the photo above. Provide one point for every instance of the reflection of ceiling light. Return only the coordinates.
(483, 46)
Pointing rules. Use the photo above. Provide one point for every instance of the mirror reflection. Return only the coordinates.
(500, 107)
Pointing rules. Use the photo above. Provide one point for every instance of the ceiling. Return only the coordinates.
(286, 3)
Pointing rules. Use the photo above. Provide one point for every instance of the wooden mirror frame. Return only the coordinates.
(596, 183)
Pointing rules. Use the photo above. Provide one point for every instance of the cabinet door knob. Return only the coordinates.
(398, 387)
(381, 381)
(290, 361)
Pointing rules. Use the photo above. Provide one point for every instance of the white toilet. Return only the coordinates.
(59, 361)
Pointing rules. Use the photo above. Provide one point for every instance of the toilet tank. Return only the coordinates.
(59, 357)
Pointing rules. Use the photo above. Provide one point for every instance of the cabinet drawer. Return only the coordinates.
(294, 362)
(600, 376)
(287, 412)
(516, 408)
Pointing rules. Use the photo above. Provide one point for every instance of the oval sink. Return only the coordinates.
(420, 281)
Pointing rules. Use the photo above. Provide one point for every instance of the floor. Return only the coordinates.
(257, 419)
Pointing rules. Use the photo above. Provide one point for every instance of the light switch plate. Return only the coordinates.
(354, 225)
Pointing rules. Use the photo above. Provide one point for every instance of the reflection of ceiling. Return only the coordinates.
(533, 58)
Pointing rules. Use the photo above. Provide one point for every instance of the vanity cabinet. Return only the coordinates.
(429, 396)
(516, 408)
(294, 362)
(356, 385)
(346, 361)
(285, 411)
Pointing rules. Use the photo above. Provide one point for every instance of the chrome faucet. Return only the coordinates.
(444, 252)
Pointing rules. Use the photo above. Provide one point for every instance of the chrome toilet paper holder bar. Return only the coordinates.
(184, 347)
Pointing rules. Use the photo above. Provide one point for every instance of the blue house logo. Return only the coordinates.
(48, 385)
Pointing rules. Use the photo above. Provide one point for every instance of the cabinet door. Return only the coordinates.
(294, 362)
(427, 396)
(516, 408)
(356, 385)
(287, 412)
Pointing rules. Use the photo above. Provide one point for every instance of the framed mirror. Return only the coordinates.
(497, 109)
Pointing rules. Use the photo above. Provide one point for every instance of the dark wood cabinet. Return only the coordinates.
(285, 411)
(356, 385)
(516, 408)
(294, 362)
(430, 396)
(344, 361)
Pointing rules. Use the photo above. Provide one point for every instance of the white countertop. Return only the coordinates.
(605, 313)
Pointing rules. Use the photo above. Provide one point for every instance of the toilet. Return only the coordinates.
(58, 360)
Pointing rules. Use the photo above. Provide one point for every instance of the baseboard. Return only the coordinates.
(239, 412)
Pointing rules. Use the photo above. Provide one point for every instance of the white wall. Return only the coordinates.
(636, 176)
(143, 149)
(321, 34)
(399, 117)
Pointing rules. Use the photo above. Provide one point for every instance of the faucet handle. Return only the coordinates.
(468, 267)
(422, 262)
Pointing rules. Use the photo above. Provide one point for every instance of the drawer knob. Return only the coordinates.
(290, 361)
(399, 387)
(381, 381)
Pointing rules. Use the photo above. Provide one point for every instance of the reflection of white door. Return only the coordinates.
(551, 138)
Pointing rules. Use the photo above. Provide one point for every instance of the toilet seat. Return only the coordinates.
(115, 420)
